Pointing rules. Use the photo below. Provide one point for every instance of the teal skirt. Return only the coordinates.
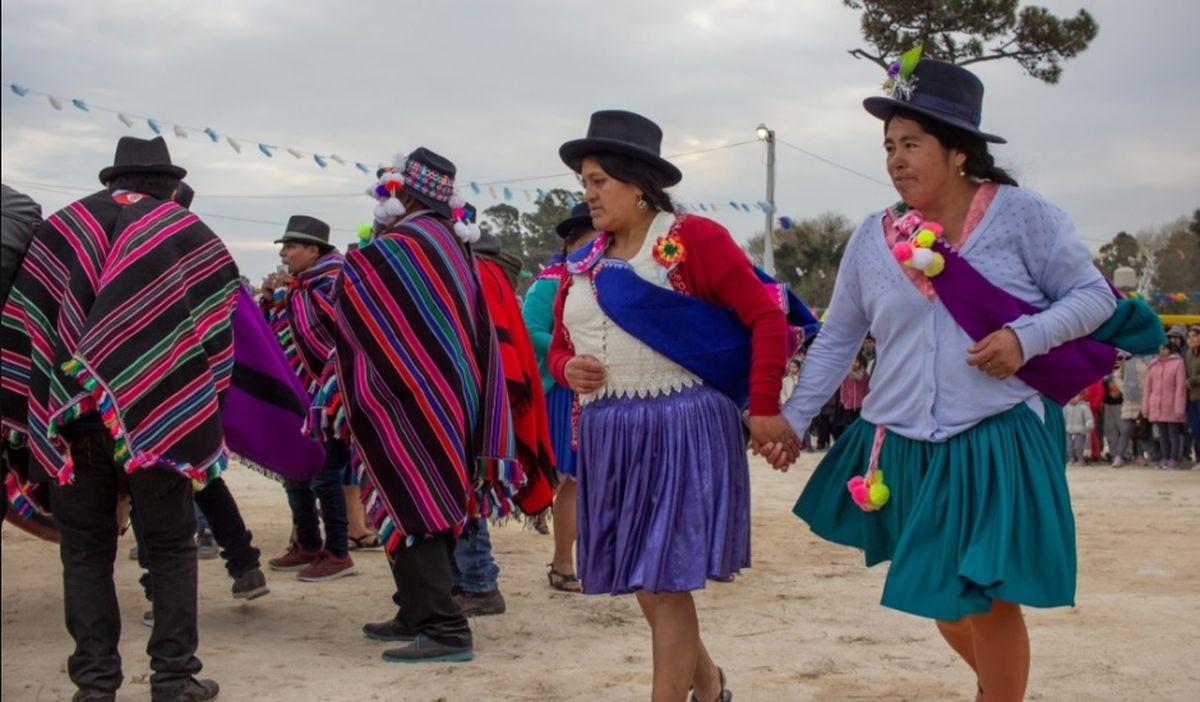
(985, 515)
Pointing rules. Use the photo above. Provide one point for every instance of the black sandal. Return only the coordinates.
(724, 695)
(559, 581)
(359, 543)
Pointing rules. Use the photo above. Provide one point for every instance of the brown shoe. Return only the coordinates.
(296, 558)
(328, 567)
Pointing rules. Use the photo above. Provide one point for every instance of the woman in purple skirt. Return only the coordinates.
(663, 482)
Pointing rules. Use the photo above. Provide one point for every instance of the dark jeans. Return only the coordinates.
(1170, 440)
(227, 527)
(327, 488)
(1193, 422)
(86, 515)
(473, 566)
(423, 583)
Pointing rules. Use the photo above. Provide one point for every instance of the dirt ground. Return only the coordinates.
(803, 624)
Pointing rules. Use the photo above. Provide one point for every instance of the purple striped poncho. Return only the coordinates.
(309, 313)
(121, 308)
(419, 370)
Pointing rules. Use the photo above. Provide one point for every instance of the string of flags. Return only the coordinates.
(496, 190)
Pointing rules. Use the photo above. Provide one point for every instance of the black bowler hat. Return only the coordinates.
(141, 156)
(184, 196)
(429, 178)
(306, 230)
(623, 133)
(579, 221)
(942, 91)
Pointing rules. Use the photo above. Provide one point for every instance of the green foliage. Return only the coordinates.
(807, 256)
(971, 31)
(530, 236)
(1177, 264)
(1123, 250)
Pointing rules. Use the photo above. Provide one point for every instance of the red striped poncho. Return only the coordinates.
(122, 307)
(309, 314)
(420, 375)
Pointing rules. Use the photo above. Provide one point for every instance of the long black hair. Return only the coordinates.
(650, 180)
(979, 164)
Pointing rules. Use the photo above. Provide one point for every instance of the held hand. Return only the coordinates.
(774, 430)
(775, 455)
(998, 354)
(584, 374)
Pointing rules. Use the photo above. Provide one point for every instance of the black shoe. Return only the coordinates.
(250, 585)
(194, 691)
(87, 694)
(426, 650)
(480, 604)
(391, 630)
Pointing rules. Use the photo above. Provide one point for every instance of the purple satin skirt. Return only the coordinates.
(664, 492)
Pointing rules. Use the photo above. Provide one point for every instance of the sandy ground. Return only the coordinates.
(802, 624)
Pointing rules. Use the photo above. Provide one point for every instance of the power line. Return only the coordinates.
(822, 159)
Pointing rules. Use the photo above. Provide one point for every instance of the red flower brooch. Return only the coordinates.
(668, 251)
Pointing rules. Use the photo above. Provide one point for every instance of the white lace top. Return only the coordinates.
(632, 368)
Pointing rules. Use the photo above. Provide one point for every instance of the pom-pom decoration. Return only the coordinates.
(365, 232)
(903, 251)
(900, 82)
(868, 491)
(921, 258)
(914, 244)
(924, 238)
(937, 265)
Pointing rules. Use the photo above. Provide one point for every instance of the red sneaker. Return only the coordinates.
(328, 567)
(296, 558)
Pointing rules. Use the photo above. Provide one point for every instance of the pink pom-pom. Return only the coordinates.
(935, 228)
(458, 213)
(902, 251)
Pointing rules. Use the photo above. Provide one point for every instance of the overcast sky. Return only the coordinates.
(498, 86)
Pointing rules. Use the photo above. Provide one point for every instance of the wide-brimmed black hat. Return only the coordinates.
(141, 156)
(580, 220)
(429, 178)
(623, 133)
(942, 91)
(306, 230)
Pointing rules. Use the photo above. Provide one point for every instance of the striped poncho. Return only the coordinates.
(308, 306)
(419, 370)
(122, 307)
(531, 423)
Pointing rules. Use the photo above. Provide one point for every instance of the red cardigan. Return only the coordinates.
(716, 270)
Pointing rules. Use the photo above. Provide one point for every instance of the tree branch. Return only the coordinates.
(860, 54)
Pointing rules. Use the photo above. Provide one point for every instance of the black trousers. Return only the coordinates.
(86, 515)
(228, 528)
(423, 583)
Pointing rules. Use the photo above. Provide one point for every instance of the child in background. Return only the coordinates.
(1078, 417)
(1164, 402)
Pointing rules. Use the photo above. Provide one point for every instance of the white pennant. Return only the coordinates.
(55, 102)
(339, 159)
(180, 132)
(236, 146)
(294, 152)
(125, 119)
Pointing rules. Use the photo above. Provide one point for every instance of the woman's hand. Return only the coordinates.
(998, 354)
(772, 437)
(585, 374)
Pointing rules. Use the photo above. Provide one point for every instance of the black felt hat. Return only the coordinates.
(942, 91)
(141, 156)
(306, 230)
(580, 220)
(623, 133)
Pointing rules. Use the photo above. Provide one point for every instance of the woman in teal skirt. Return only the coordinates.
(956, 470)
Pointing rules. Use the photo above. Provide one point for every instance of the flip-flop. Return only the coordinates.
(722, 696)
(559, 581)
(358, 543)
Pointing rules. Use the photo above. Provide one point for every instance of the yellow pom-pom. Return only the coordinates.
(937, 265)
(924, 239)
(879, 494)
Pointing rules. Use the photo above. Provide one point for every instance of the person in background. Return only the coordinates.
(576, 232)
(1094, 394)
(1177, 338)
(1111, 411)
(1131, 445)
(1078, 418)
(868, 354)
(855, 387)
(314, 265)
(1192, 359)
(1164, 402)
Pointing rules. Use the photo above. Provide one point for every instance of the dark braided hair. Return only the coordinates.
(979, 164)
